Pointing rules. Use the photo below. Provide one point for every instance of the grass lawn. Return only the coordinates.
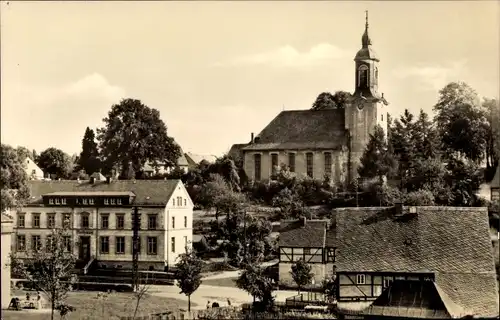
(222, 282)
(117, 305)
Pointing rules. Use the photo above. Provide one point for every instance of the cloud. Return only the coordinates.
(432, 77)
(56, 115)
(288, 56)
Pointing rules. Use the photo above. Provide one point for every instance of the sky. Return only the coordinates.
(218, 71)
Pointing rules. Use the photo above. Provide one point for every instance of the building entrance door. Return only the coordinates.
(84, 250)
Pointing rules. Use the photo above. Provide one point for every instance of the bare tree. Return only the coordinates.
(140, 291)
(49, 268)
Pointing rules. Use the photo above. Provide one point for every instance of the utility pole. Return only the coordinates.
(136, 225)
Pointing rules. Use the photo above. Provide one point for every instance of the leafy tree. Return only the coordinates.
(217, 194)
(376, 160)
(329, 286)
(49, 268)
(254, 281)
(492, 110)
(188, 273)
(463, 179)
(419, 198)
(301, 273)
(402, 136)
(134, 134)
(461, 121)
(14, 180)
(55, 162)
(24, 153)
(89, 157)
(326, 100)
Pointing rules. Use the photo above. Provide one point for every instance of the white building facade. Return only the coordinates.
(100, 220)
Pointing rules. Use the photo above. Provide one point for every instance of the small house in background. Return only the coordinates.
(194, 159)
(495, 186)
(32, 170)
(150, 170)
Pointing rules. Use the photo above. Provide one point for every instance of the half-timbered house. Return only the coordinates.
(311, 241)
(448, 246)
(445, 248)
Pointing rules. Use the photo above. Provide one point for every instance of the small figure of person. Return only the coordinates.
(208, 305)
(228, 302)
(27, 296)
(38, 301)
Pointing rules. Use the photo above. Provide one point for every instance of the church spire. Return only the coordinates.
(365, 40)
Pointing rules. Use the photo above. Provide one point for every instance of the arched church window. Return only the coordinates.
(363, 76)
(376, 73)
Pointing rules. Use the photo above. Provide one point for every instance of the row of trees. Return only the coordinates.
(132, 135)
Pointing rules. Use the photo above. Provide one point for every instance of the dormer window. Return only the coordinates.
(58, 201)
(106, 201)
(112, 201)
(118, 201)
(85, 201)
(63, 201)
(91, 201)
(51, 201)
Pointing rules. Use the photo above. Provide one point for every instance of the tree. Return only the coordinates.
(402, 136)
(330, 286)
(24, 153)
(254, 281)
(419, 198)
(139, 294)
(49, 268)
(89, 157)
(492, 110)
(461, 121)
(188, 273)
(425, 137)
(463, 178)
(301, 273)
(217, 194)
(134, 134)
(14, 180)
(55, 162)
(326, 100)
(376, 160)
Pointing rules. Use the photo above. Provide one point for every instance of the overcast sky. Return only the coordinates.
(218, 71)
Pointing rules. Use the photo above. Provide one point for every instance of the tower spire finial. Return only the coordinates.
(365, 40)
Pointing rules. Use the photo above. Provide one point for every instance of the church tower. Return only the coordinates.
(366, 108)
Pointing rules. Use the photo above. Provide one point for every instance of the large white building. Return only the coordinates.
(5, 254)
(100, 220)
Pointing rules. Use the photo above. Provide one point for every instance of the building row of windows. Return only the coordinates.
(85, 201)
(291, 163)
(120, 245)
(36, 243)
(36, 217)
(361, 279)
(152, 222)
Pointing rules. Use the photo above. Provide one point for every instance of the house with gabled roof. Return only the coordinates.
(99, 216)
(322, 143)
(374, 247)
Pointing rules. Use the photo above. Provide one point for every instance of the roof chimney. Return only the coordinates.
(92, 180)
(251, 137)
(108, 179)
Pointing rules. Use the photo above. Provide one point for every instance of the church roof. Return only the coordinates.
(303, 129)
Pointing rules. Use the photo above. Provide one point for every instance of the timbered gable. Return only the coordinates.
(309, 255)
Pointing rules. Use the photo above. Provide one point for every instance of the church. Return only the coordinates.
(321, 143)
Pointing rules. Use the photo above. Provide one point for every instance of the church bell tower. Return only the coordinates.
(367, 107)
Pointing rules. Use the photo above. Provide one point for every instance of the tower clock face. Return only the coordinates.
(360, 105)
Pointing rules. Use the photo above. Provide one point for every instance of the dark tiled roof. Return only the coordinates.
(296, 234)
(89, 193)
(147, 192)
(452, 242)
(303, 129)
(413, 299)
